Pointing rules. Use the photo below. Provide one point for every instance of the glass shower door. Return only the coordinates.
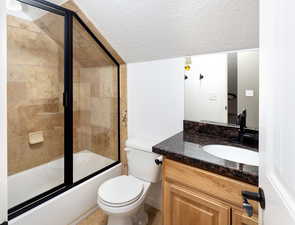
(63, 105)
(35, 104)
(95, 106)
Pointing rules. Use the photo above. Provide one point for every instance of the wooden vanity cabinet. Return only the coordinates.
(184, 207)
(196, 197)
(240, 218)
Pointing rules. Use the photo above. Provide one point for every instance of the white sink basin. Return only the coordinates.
(235, 154)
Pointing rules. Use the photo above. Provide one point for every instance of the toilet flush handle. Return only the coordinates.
(159, 160)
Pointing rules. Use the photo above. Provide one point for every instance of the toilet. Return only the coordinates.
(122, 198)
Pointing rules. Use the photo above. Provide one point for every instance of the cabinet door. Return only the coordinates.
(240, 218)
(186, 207)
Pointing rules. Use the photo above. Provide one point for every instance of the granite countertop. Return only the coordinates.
(187, 148)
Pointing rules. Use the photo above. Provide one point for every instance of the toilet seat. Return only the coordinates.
(120, 191)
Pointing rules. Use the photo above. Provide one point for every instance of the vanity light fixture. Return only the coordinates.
(188, 63)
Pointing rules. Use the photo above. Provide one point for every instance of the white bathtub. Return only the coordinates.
(67, 207)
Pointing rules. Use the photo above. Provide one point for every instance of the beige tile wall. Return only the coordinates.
(36, 71)
(33, 95)
(97, 109)
(123, 85)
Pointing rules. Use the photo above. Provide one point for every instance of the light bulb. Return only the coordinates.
(188, 62)
(187, 67)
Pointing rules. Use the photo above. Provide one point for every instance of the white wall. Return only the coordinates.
(3, 118)
(206, 99)
(155, 104)
(155, 98)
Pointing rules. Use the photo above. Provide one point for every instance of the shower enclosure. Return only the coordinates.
(63, 104)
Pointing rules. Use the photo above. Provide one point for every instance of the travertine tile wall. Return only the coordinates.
(97, 106)
(104, 136)
(95, 91)
(34, 62)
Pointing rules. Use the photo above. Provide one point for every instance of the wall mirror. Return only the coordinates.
(220, 86)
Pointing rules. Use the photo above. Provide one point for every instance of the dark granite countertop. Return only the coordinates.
(187, 148)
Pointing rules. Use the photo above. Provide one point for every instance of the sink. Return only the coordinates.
(239, 155)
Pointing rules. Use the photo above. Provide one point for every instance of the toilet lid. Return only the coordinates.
(121, 190)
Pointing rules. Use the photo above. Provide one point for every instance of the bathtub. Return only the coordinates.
(68, 207)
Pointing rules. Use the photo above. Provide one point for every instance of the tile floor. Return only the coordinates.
(99, 218)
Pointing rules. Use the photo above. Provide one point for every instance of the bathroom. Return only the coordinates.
(183, 118)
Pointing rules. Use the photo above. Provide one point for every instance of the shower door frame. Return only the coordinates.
(68, 108)
(3, 114)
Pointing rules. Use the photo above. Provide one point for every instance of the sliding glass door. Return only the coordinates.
(96, 105)
(36, 61)
(63, 105)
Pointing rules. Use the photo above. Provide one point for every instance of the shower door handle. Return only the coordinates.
(65, 99)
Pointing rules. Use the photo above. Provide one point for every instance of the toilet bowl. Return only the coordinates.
(122, 198)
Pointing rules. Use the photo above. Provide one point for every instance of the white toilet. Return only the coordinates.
(122, 198)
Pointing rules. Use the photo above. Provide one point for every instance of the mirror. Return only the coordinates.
(220, 86)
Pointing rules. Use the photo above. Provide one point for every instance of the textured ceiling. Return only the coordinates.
(142, 30)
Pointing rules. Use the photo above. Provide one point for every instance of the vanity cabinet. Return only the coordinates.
(183, 206)
(240, 218)
(193, 196)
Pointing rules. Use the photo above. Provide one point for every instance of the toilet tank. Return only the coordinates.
(141, 160)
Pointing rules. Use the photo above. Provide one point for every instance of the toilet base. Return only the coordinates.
(119, 220)
(140, 218)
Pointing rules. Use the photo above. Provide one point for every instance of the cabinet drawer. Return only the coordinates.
(219, 187)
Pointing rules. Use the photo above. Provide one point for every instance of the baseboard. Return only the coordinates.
(89, 212)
